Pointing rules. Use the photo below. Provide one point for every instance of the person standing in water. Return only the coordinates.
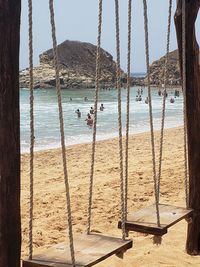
(101, 107)
(78, 113)
(89, 120)
(91, 110)
(177, 93)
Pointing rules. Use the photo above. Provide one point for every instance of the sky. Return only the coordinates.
(78, 20)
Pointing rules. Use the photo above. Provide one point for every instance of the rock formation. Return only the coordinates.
(173, 72)
(77, 64)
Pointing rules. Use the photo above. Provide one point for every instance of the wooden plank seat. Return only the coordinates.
(89, 250)
(145, 220)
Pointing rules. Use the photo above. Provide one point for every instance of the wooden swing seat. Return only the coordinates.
(89, 250)
(145, 220)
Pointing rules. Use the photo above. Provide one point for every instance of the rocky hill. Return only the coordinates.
(173, 73)
(157, 71)
(77, 62)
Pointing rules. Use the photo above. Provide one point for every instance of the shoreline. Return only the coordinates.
(98, 140)
(153, 86)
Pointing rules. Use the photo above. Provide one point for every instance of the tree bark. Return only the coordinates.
(10, 229)
(193, 116)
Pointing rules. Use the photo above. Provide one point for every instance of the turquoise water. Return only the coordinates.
(47, 133)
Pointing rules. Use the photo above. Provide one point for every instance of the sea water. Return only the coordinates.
(46, 116)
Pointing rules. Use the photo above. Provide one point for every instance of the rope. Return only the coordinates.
(164, 99)
(184, 101)
(95, 117)
(118, 83)
(58, 90)
(150, 110)
(30, 30)
(127, 106)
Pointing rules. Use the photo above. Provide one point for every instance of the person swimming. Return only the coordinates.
(78, 113)
(172, 100)
(101, 107)
(89, 120)
(138, 98)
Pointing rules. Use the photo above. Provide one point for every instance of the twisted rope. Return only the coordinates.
(58, 90)
(164, 99)
(31, 98)
(150, 110)
(118, 83)
(95, 117)
(127, 106)
(184, 100)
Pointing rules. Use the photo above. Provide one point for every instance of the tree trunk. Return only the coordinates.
(193, 116)
(10, 230)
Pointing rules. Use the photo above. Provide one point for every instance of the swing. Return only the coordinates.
(145, 220)
(157, 218)
(86, 249)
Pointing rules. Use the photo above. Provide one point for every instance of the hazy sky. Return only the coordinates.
(77, 20)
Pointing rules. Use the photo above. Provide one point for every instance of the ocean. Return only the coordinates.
(47, 133)
(138, 74)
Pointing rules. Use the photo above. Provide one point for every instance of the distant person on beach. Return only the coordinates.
(147, 100)
(85, 98)
(89, 120)
(70, 99)
(91, 110)
(159, 92)
(101, 107)
(78, 113)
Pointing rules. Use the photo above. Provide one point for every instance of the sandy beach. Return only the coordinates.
(50, 221)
